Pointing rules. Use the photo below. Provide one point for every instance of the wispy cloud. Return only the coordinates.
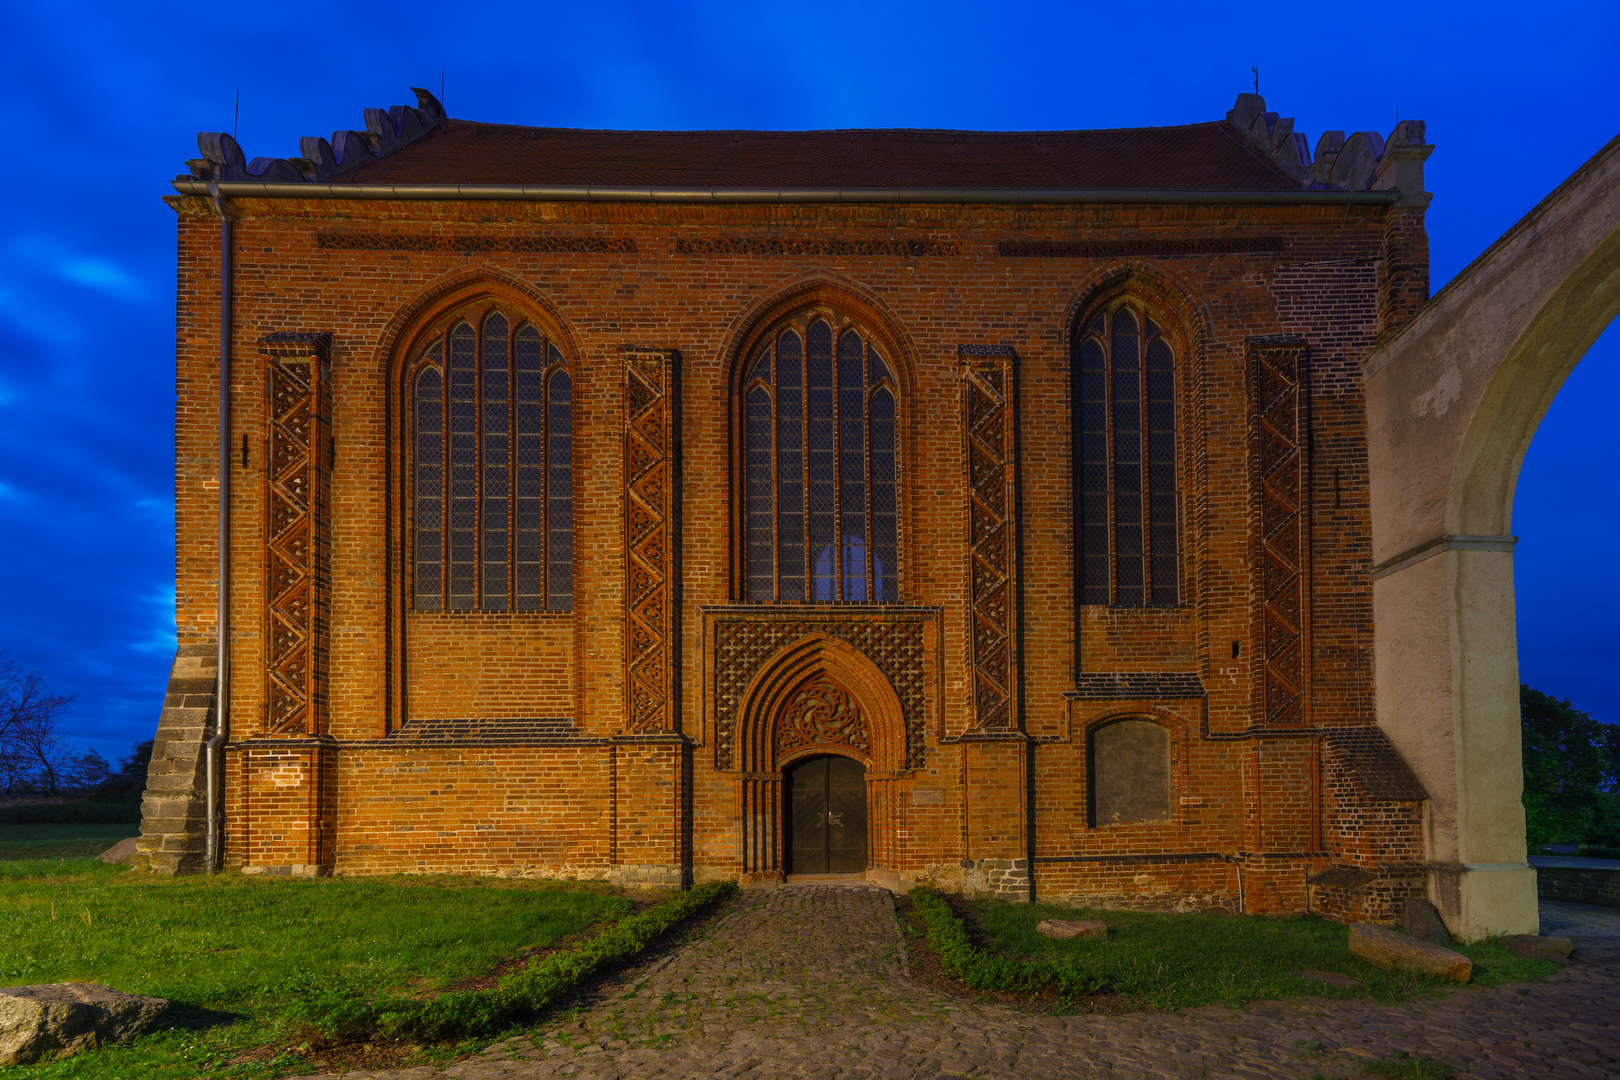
(101, 275)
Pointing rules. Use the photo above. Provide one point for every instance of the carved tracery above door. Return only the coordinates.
(822, 714)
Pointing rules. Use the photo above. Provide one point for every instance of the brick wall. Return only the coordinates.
(587, 808)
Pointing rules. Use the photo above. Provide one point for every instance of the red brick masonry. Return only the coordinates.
(482, 742)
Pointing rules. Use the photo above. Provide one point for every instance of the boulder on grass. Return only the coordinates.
(57, 1020)
(1422, 921)
(1536, 947)
(1394, 951)
(1071, 928)
(120, 852)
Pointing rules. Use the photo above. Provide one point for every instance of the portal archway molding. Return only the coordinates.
(796, 668)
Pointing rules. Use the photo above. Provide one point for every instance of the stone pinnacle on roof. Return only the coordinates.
(1366, 161)
(386, 131)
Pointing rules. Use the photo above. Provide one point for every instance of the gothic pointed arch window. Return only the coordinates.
(492, 490)
(1127, 494)
(819, 483)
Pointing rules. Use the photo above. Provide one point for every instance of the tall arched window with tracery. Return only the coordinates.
(493, 485)
(1125, 473)
(820, 465)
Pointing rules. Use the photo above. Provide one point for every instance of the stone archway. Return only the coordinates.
(1453, 399)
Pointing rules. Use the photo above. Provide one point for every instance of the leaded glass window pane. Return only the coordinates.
(429, 515)
(1126, 492)
(761, 499)
(559, 488)
(493, 470)
(528, 470)
(823, 447)
(819, 490)
(463, 437)
(790, 494)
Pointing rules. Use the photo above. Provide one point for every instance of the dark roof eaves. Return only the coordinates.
(959, 195)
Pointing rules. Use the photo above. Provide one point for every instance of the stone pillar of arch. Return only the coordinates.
(1453, 399)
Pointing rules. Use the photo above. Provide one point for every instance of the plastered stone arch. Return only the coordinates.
(793, 668)
(1453, 400)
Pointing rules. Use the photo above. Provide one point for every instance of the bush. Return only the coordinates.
(71, 813)
(475, 1013)
(949, 940)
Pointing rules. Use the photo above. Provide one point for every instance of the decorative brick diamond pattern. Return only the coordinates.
(649, 559)
(988, 423)
(743, 644)
(1277, 404)
(297, 586)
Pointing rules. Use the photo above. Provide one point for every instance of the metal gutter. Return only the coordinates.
(222, 696)
(719, 195)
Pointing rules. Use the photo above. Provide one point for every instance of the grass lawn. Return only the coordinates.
(1175, 961)
(235, 953)
(60, 841)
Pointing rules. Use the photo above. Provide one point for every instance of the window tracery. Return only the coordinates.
(820, 466)
(492, 485)
(1125, 461)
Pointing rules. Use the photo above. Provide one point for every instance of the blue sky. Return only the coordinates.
(107, 99)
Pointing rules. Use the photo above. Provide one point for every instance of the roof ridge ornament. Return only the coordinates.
(386, 130)
(1366, 161)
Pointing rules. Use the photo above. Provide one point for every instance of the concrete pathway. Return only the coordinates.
(809, 981)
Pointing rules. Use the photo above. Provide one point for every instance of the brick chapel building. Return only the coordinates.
(985, 509)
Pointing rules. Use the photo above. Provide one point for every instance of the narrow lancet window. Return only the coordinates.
(1126, 494)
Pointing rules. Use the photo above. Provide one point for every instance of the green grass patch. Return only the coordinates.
(1401, 1066)
(519, 995)
(244, 958)
(57, 840)
(1177, 961)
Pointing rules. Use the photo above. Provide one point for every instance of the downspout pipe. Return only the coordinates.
(222, 618)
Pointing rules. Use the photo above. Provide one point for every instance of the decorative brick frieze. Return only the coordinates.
(1135, 685)
(1280, 478)
(989, 427)
(571, 245)
(749, 245)
(651, 539)
(1152, 247)
(297, 483)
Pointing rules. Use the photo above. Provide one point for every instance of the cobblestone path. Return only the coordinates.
(809, 982)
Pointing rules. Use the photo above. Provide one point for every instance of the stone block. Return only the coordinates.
(120, 853)
(1062, 929)
(1422, 921)
(1394, 951)
(1538, 948)
(61, 1019)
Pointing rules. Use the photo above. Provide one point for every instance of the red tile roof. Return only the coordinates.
(1204, 157)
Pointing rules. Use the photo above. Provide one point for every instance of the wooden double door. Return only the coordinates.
(826, 826)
